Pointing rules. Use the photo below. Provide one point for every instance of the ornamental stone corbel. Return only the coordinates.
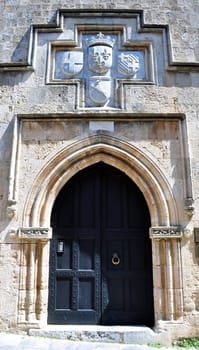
(166, 232)
(189, 207)
(11, 209)
(34, 233)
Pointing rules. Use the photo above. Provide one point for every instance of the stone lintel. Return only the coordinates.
(34, 233)
(164, 232)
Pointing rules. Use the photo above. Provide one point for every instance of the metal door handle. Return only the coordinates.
(115, 259)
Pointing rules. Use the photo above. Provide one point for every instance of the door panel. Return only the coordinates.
(75, 274)
(103, 275)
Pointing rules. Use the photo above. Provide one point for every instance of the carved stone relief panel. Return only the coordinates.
(100, 65)
(101, 55)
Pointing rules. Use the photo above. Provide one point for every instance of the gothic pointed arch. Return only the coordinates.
(166, 252)
(69, 160)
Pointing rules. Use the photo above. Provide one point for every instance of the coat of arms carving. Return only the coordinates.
(99, 64)
(128, 64)
(71, 63)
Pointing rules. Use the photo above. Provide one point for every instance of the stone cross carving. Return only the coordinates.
(72, 63)
(100, 63)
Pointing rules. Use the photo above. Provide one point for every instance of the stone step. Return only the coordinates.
(108, 334)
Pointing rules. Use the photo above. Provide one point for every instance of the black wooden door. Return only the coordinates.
(100, 260)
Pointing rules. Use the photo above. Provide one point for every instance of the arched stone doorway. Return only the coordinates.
(35, 230)
(101, 259)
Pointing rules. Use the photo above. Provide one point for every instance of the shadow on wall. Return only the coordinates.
(13, 79)
(20, 53)
(182, 79)
(5, 156)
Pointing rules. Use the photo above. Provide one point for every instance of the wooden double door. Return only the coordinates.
(100, 258)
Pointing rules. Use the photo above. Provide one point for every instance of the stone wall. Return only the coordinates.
(17, 16)
(153, 121)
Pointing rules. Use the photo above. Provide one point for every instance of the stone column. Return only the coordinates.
(159, 297)
(169, 287)
(42, 280)
(33, 289)
(22, 284)
(167, 272)
(30, 283)
(177, 277)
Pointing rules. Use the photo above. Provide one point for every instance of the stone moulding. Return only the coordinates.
(166, 232)
(17, 145)
(57, 27)
(34, 233)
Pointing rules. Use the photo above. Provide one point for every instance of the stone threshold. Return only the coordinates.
(107, 334)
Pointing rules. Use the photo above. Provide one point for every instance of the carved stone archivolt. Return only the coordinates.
(97, 148)
(168, 298)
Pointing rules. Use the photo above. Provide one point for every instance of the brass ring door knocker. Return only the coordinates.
(115, 259)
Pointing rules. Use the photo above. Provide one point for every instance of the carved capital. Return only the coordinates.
(164, 232)
(34, 233)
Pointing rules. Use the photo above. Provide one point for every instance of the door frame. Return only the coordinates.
(167, 280)
(102, 182)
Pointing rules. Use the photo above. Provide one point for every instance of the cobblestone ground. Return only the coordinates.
(23, 342)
